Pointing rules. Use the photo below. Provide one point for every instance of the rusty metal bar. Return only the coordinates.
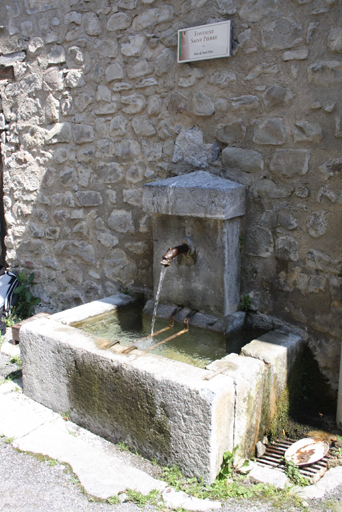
(183, 331)
(133, 347)
(130, 349)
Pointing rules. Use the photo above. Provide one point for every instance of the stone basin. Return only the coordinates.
(164, 409)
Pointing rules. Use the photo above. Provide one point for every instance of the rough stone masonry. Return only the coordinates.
(94, 105)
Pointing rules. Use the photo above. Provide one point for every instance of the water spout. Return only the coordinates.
(172, 253)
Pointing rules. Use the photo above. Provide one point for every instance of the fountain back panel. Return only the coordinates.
(205, 210)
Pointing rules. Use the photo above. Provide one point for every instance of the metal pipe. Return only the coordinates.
(172, 253)
(183, 331)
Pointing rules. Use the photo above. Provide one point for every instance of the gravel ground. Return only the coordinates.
(28, 483)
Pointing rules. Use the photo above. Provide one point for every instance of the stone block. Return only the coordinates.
(231, 132)
(89, 198)
(198, 194)
(248, 375)
(34, 6)
(121, 221)
(304, 131)
(92, 24)
(320, 261)
(118, 21)
(53, 80)
(13, 58)
(252, 11)
(136, 103)
(135, 46)
(269, 131)
(128, 149)
(152, 17)
(269, 476)
(74, 79)
(60, 132)
(141, 68)
(281, 34)
(132, 197)
(222, 79)
(245, 160)
(56, 55)
(143, 126)
(326, 73)
(259, 242)
(286, 248)
(246, 102)
(165, 61)
(80, 249)
(317, 224)
(279, 351)
(296, 55)
(106, 47)
(202, 104)
(114, 72)
(276, 96)
(189, 146)
(290, 162)
(73, 17)
(335, 40)
(83, 133)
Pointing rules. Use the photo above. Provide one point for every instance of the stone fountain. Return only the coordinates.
(178, 413)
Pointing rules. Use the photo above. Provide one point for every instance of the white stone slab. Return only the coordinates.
(95, 308)
(20, 415)
(101, 474)
(270, 476)
(9, 349)
(330, 481)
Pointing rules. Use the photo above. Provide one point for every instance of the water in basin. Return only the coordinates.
(197, 347)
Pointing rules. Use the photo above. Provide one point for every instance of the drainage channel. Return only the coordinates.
(274, 458)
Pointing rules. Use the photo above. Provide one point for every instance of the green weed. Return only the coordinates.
(141, 500)
(113, 500)
(2, 341)
(53, 462)
(227, 467)
(16, 360)
(124, 447)
(65, 415)
(293, 474)
(233, 487)
(245, 304)
(24, 307)
(9, 440)
(11, 319)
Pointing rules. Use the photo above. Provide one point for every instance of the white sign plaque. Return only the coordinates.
(206, 42)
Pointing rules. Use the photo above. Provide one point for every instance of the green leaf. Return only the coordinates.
(30, 279)
(19, 289)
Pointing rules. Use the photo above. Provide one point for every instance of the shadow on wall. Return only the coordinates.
(71, 235)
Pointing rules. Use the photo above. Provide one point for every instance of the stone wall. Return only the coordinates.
(98, 106)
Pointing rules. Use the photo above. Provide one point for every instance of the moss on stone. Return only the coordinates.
(119, 402)
(305, 403)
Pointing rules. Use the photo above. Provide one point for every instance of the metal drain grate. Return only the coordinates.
(274, 458)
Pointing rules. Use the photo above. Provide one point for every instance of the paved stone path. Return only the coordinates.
(29, 483)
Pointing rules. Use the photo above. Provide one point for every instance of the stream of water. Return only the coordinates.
(156, 301)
